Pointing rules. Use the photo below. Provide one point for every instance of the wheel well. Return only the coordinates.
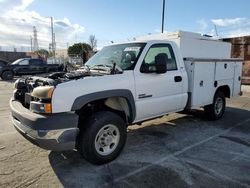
(118, 105)
(7, 70)
(225, 89)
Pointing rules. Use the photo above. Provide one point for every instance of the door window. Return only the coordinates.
(24, 62)
(156, 49)
(36, 62)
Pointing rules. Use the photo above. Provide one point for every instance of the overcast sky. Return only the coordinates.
(113, 20)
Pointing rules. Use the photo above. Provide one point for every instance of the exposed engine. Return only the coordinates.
(25, 86)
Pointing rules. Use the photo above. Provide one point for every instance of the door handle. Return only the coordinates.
(177, 78)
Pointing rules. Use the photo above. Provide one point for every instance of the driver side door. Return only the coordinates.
(158, 94)
(22, 67)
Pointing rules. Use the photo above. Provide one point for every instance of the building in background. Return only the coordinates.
(241, 49)
(12, 56)
(61, 53)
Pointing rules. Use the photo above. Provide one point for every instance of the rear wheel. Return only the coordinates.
(103, 137)
(7, 75)
(216, 110)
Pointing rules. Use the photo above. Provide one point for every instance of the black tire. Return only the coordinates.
(97, 124)
(216, 110)
(7, 75)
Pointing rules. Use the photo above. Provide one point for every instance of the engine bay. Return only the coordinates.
(25, 86)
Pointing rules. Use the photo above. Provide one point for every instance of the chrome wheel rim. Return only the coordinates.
(218, 106)
(107, 139)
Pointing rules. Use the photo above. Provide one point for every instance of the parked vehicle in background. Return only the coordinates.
(3, 62)
(27, 66)
(125, 84)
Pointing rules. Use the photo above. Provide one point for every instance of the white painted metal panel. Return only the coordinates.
(195, 45)
(203, 84)
(65, 94)
(166, 94)
(224, 70)
(202, 74)
(237, 78)
(190, 69)
(204, 48)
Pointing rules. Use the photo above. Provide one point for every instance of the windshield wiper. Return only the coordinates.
(115, 69)
(112, 69)
(101, 67)
(87, 68)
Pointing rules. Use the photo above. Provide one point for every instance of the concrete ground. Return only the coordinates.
(174, 151)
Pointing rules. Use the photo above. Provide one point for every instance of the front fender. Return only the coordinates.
(85, 99)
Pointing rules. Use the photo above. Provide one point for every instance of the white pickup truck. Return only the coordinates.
(125, 84)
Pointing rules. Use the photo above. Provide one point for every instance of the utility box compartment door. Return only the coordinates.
(237, 78)
(224, 70)
(203, 84)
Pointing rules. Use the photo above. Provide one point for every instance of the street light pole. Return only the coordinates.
(163, 15)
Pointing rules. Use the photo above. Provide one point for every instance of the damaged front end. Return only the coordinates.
(35, 93)
(31, 114)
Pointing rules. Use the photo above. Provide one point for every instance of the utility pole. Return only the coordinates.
(52, 31)
(54, 42)
(163, 15)
(35, 46)
(216, 32)
(52, 38)
(31, 42)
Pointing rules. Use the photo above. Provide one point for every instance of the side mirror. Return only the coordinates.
(161, 63)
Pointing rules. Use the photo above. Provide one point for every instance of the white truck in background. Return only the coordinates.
(125, 84)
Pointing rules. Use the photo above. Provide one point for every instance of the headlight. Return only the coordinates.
(42, 99)
(43, 92)
(40, 107)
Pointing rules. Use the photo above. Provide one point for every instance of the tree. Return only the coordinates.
(42, 53)
(92, 42)
(78, 49)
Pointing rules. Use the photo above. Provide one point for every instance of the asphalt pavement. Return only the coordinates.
(179, 150)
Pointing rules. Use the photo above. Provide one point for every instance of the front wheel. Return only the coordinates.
(216, 110)
(102, 138)
(7, 75)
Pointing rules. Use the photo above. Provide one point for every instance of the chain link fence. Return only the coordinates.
(72, 63)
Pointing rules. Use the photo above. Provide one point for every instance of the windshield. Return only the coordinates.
(16, 62)
(124, 55)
